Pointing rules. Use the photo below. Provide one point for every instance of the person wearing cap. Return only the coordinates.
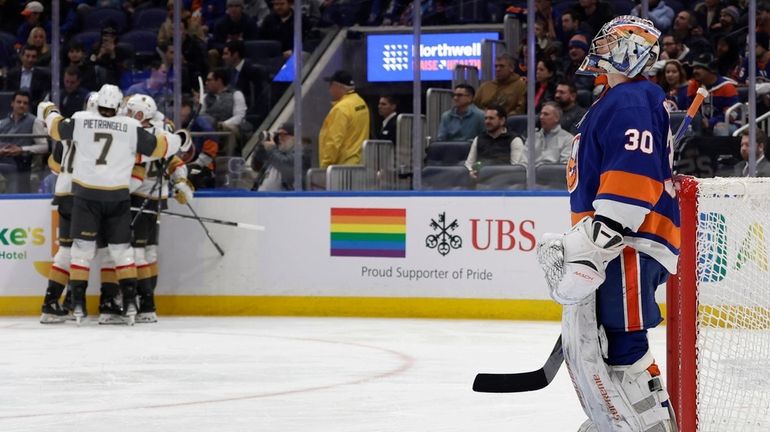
(722, 93)
(508, 89)
(235, 25)
(763, 61)
(33, 17)
(727, 25)
(346, 126)
(274, 159)
(577, 51)
(279, 26)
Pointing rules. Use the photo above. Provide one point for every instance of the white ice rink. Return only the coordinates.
(279, 375)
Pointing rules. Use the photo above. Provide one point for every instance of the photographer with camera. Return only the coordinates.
(274, 160)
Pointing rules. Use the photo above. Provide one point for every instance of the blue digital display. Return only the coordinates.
(389, 56)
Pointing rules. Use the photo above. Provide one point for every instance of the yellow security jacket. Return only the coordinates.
(344, 131)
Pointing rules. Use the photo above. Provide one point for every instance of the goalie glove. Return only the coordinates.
(574, 262)
(183, 191)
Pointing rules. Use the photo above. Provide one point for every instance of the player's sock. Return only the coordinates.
(147, 312)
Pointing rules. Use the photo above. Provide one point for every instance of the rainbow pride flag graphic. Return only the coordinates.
(368, 232)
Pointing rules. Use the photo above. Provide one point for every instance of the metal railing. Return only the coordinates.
(345, 178)
(437, 100)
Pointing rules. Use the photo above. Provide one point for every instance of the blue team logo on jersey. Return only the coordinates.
(572, 165)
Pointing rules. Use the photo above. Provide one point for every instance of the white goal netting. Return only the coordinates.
(733, 289)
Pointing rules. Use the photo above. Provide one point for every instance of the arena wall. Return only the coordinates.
(461, 255)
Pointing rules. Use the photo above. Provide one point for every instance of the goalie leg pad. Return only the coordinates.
(615, 398)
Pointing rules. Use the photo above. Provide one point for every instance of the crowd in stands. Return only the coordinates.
(130, 44)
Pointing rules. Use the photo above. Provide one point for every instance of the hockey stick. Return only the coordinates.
(206, 230)
(538, 379)
(522, 381)
(691, 111)
(211, 220)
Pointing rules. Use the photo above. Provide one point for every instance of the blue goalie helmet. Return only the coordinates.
(626, 45)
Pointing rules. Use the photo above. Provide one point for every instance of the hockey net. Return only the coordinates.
(719, 307)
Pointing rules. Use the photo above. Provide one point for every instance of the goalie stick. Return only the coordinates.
(518, 382)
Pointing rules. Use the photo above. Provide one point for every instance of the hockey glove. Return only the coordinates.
(183, 191)
(184, 136)
(574, 262)
(45, 108)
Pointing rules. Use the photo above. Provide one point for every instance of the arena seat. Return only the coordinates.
(447, 153)
(88, 39)
(502, 177)
(446, 178)
(96, 18)
(551, 176)
(149, 18)
(517, 124)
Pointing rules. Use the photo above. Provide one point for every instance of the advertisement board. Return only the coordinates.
(389, 56)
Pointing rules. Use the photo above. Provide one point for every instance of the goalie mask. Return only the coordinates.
(626, 45)
(144, 104)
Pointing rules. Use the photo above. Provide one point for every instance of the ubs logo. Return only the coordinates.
(444, 241)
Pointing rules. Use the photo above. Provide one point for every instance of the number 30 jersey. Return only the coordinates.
(621, 168)
(106, 149)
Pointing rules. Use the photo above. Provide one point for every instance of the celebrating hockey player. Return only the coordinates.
(624, 240)
(147, 198)
(105, 151)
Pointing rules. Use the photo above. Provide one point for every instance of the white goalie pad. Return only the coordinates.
(615, 398)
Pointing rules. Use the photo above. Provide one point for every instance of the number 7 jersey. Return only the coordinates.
(105, 152)
(621, 168)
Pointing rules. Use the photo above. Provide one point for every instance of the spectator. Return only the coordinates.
(572, 113)
(201, 168)
(594, 13)
(37, 39)
(275, 158)
(346, 126)
(684, 29)
(464, 121)
(29, 77)
(16, 157)
(763, 61)
(673, 79)
(495, 145)
(707, 12)
(674, 49)
(547, 16)
(387, 108)
(193, 29)
(763, 165)
(74, 96)
(225, 106)
(728, 57)
(727, 25)
(155, 86)
(76, 57)
(508, 90)
(660, 14)
(279, 26)
(570, 26)
(578, 49)
(33, 17)
(763, 16)
(108, 57)
(246, 76)
(546, 46)
(545, 85)
(722, 93)
(552, 143)
(235, 25)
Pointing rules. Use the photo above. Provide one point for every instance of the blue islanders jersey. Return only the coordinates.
(620, 168)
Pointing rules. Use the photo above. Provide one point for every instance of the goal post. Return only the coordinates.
(718, 307)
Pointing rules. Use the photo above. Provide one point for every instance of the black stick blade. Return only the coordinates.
(523, 381)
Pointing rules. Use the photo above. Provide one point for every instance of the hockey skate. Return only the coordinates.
(53, 313)
(67, 306)
(146, 303)
(79, 304)
(111, 313)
